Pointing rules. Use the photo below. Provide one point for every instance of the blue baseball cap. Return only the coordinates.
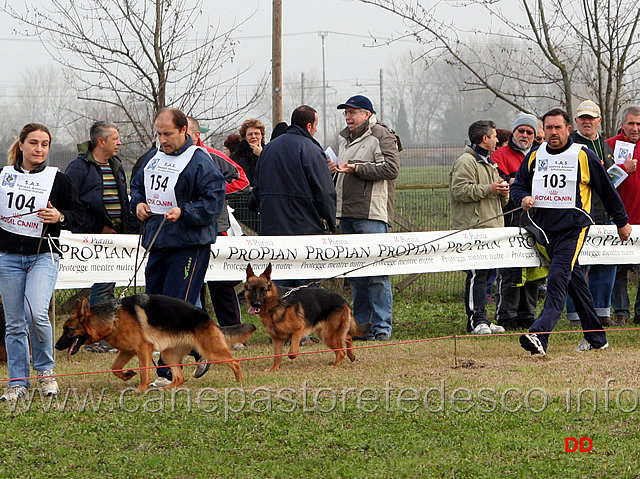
(358, 101)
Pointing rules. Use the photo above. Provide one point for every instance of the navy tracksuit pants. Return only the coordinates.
(566, 276)
(178, 273)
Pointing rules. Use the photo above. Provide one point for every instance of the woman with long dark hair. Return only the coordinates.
(36, 202)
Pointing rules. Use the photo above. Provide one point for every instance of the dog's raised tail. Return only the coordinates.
(238, 333)
(359, 329)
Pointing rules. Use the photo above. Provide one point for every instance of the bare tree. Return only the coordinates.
(560, 50)
(142, 55)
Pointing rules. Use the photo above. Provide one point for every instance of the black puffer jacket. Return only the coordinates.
(244, 156)
(86, 177)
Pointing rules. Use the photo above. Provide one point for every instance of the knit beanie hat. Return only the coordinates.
(527, 120)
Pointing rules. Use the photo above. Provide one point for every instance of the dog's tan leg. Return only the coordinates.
(278, 345)
(296, 336)
(120, 362)
(174, 356)
(214, 347)
(145, 359)
(350, 353)
(335, 342)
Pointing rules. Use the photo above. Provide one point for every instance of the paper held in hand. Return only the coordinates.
(618, 175)
(623, 151)
(331, 155)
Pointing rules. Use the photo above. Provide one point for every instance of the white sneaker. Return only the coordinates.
(496, 328)
(13, 393)
(481, 328)
(160, 383)
(48, 386)
(584, 345)
(238, 347)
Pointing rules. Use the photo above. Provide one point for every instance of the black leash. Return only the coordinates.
(146, 253)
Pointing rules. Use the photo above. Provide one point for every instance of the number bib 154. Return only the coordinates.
(21, 196)
(555, 178)
(160, 178)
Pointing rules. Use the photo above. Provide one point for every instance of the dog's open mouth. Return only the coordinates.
(253, 310)
(75, 346)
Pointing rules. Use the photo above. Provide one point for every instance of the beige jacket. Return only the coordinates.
(369, 192)
(470, 189)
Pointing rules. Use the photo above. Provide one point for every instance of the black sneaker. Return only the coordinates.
(382, 337)
(100, 347)
(531, 342)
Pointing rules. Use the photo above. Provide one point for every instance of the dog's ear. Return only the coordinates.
(84, 308)
(267, 272)
(249, 271)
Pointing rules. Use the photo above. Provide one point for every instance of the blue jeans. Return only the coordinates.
(600, 278)
(372, 296)
(26, 286)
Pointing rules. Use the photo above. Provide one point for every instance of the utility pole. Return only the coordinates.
(276, 62)
(324, 91)
(302, 88)
(381, 97)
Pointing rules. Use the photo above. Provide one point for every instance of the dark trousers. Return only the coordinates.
(475, 297)
(516, 304)
(566, 276)
(177, 273)
(620, 294)
(224, 301)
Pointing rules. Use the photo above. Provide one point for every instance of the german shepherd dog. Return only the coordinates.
(139, 324)
(299, 313)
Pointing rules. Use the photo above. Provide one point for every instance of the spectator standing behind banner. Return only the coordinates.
(518, 287)
(179, 194)
(369, 163)
(223, 295)
(628, 190)
(478, 194)
(557, 180)
(45, 200)
(600, 277)
(100, 182)
(246, 154)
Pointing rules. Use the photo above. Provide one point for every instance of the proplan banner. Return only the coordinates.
(111, 258)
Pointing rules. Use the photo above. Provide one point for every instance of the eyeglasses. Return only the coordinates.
(539, 138)
(351, 112)
(254, 133)
(522, 131)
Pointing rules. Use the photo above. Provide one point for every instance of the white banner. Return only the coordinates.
(111, 258)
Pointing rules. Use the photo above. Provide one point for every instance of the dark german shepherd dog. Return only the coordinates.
(299, 313)
(140, 324)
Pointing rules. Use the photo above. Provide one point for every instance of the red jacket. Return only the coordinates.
(236, 181)
(508, 160)
(629, 188)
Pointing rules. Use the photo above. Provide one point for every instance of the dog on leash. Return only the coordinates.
(295, 315)
(140, 324)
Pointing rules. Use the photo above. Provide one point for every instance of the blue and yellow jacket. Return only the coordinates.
(591, 177)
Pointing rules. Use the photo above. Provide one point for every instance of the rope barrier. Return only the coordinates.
(455, 337)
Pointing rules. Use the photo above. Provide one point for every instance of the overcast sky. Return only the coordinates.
(352, 67)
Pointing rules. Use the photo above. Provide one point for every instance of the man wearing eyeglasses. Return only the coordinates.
(516, 308)
(368, 166)
(601, 276)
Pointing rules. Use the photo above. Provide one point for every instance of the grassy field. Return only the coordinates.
(450, 407)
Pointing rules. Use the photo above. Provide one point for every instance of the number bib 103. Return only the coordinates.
(555, 178)
(21, 196)
(160, 177)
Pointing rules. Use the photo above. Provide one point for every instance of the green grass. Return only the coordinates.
(328, 422)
